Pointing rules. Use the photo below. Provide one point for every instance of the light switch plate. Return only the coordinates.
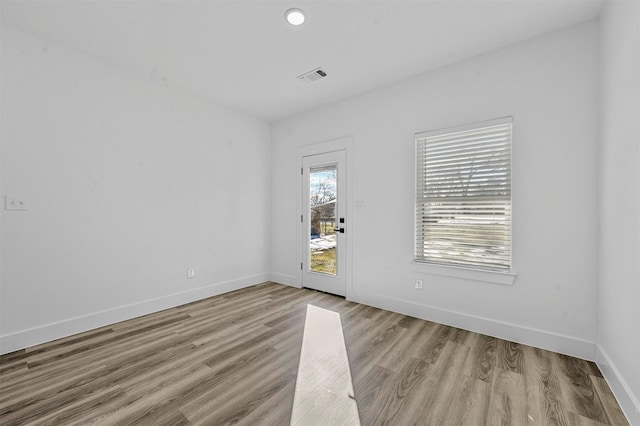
(16, 203)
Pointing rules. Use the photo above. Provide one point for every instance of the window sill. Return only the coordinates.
(495, 277)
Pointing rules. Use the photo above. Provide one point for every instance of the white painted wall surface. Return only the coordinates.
(619, 272)
(549, 86)
(130, 182)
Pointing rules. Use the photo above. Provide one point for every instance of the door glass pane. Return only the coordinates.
(322, 205)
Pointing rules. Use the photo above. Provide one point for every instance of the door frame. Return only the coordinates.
(341, 144)
(335, 283)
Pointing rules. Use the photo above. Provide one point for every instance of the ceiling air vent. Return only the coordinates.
(313, 75)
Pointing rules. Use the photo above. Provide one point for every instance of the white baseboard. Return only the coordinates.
(46, 333)
(538, 338)
(516, 333)
(290, 280)
(623, 393)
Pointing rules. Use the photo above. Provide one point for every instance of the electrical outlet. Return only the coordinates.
(191, 273)
(419, 284)
(16, 203)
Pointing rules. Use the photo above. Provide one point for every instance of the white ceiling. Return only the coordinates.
(244, 54)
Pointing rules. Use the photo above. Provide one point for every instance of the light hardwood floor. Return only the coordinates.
(233, 358)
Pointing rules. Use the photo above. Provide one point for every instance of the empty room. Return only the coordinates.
(320, 212)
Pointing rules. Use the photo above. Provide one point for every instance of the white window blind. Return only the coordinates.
(463, 195)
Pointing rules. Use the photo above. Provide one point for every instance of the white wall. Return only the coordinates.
(130, 182)
(549, 86)
(619, 272)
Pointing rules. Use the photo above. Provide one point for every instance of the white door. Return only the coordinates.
(324, 222)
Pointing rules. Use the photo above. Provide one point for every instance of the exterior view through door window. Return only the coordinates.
(322, 204)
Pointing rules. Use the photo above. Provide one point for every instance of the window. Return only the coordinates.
(463, 196)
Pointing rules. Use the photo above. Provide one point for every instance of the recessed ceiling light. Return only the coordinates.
(294, 16)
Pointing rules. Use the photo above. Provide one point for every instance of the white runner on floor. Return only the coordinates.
(324, 390)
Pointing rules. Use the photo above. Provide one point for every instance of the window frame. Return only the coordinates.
(502, 274)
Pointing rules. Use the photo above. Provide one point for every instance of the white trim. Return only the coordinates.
(516, 333)
(333, 283)
(46, 333)
(464, 127)
(343, 143)
(451, 155)
(337, 144)
(285, 279)
(495, 277)
(621, 390)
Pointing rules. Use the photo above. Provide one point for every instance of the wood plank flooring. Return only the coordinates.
(233, 358)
